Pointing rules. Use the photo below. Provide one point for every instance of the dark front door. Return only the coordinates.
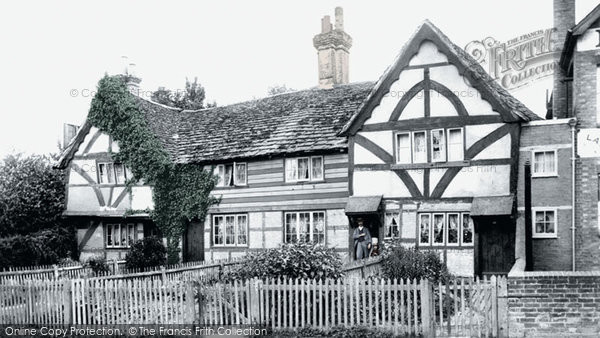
(495, 245)
(193, 243)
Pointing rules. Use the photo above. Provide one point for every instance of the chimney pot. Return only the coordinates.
(326, 24)
(339, 18)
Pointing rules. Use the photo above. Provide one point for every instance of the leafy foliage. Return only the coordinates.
(338, 332)
(46, 246)
(146, 253)
(400, 262)
(294, 260)
(192, 98)
(98, 265)
(32, 194)
(181, 192)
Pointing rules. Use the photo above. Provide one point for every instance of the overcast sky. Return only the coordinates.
(53, 53)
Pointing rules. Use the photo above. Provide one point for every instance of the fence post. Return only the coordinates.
(502, 295)
(254, 305)
(201, 298)
(189, 296)
(55, 271)
(115, 267)
(221, 267)
(68, 301)
(426, 307)
(163, 273)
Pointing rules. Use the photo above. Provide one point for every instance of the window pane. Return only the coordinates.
(102, 173)
(290, 226)
(242, 226)
(303, 169)
(218, 230)
(392, 225)
(110, 173)
(119, 173)
(419, 147)
(438, 145)
(455, 145)
(130, 234)
(124, 237)
(229, 229)
(424, 229)
(109, 235)
(228, 175)
(240, 173)
(220, 172)
(304, 226)
(403, 143)
(291, 169)
(438, 229)
(317, 168)
(452, 228)
(549, 158)
(319, 227)
(116, 235)
(538, 162)
(467, 229)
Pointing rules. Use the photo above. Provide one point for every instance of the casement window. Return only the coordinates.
(446, 145)
(110, 173)
(305, 226)
(419, 147)
(544, 224)
(438, 145)
(403, 148)
(392, 224)
(120, 235)
(231, 174)
(302, 169)
(544, 163)
(456, 150)
(445, 229)
(230, 230)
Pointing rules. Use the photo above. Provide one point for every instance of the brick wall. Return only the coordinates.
(554, 304)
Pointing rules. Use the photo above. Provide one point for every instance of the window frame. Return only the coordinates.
(410, 147)
(310, 169)
(113, 165)
(399, 223)
(544, 174)
(429, 235)
(236, 233)
(461, 229)
(462, 143)
(534, 233)
(444, 151)
(312, 225)
(110, 227)
(431, 244)
(432, 228)
(458, 232)
(413, 152)
(221, 182)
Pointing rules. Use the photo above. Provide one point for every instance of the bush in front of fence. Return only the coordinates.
(337, 332)
(98, 265)
(146, 253)
(410, 263)
(47, 246)
(292, 260)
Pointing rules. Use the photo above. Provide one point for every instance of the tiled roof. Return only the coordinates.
(291, 123)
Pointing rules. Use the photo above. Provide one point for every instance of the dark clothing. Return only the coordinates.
(361, 243)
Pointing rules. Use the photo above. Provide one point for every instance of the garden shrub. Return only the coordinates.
(292, 260)
(44, 247)
(146, 253)
(98, 265)
(337, 332)
(409, 263)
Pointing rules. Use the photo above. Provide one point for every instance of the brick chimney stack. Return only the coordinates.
(333, 45)
(564, 19)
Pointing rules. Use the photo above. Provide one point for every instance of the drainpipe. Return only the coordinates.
(528, 223)
(573, 124)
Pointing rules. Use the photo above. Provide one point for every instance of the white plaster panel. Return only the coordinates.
(273, 219)
(475, 133)
(441, 106)
(417, 176)
(384, 139)
(125, 202)
(460, 262)
(88, 166)
(498, 149)
(255, 239)
(255, 220)
(82, 199)
(409, 224)
(469, 96)
(141, 198)
(273, 238)
(428, 53)
(407, 79)
(336, 217)
(369, 183)
(100, 146)
(337, 238)
(363, 156)
(435, 174)
(588, 40)
(415, 108)
(476, 181)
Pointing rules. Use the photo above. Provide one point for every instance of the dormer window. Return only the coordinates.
(231, 174)
(111, 173)
(301, 169)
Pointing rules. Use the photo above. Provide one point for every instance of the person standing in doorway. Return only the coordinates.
(362, 240)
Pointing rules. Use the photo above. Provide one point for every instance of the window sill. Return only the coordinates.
(544, 175)
(231, 187)
(551, 236)
(303, 182)
(464, 163)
